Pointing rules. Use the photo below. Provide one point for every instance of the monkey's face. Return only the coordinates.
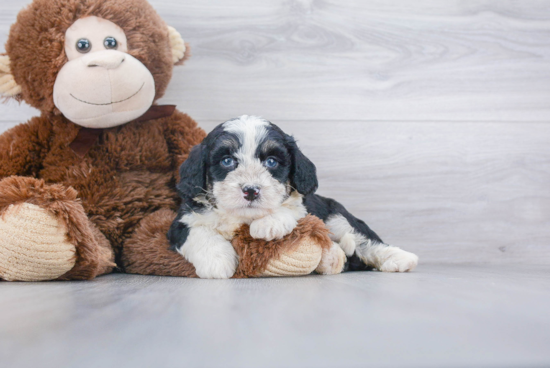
(101, 63)
(101, 85)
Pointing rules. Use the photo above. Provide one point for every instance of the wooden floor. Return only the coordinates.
(439, 316)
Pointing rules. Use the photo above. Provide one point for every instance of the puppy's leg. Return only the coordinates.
(211, 254)
(373, 252)
(358, 240)
(387, 258)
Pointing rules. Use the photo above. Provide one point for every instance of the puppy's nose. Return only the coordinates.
(251, 193)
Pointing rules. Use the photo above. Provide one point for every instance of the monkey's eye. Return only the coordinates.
(83, 45)
(110, 43)
(271, 163)
(228, 162)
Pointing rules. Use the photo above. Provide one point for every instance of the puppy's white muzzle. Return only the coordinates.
(249, 187)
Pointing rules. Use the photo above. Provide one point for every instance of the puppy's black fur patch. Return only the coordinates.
(178, 233)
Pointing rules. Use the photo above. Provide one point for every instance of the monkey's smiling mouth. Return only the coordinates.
(110, 103)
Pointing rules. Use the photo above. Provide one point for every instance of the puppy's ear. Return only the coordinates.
(303, 174)
(193, 173)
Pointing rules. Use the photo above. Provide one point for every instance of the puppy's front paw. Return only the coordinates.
(272, 227)
(399, 261)
(212, 255)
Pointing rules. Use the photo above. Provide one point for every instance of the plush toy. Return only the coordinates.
(89, 185)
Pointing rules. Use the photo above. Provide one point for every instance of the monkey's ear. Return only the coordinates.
(8, 87)
(180, 49)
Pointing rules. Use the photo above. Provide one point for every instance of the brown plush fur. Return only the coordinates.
(130, 173)
(148, 252)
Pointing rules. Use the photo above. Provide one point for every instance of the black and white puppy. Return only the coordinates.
(247, 170)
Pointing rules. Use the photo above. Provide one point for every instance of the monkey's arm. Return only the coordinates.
(22, 148)
(181, 133)
(69, 246)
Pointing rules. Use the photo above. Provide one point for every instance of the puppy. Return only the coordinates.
(247, 170)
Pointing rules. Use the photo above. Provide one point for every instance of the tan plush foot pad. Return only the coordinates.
(302, 261)
(33, 245)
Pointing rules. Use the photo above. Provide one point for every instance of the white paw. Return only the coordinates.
(332, 261)
(272, 227)
(212, 255)
(399, 261)
(348, 244)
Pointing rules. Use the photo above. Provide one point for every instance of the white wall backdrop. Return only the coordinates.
(428, 119)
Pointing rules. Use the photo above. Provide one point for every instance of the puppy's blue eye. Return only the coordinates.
(228, 162)
(271, 163)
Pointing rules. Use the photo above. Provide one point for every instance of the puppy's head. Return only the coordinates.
(246, 166)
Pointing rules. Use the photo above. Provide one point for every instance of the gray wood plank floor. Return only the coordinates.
(438, 316)
(427, 119)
